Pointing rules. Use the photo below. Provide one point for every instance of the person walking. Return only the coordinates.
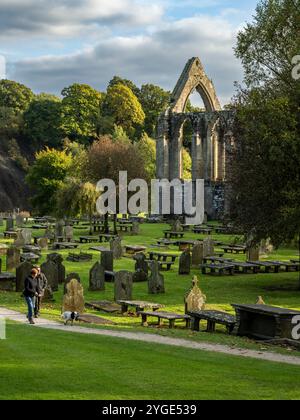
(42, 284)
(30, 293)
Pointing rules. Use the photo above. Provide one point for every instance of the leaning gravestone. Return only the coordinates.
(27, 235)
(22, 272)
(123, 285)
(194, 300)
(185, 263)
(73, 300)
(49, 268)
(107, 260)
(116, 248)
(9, 224)
(141, 268)
(156, 281)
(208, 248)
(197, 254)
(97, 278)
(13, 256)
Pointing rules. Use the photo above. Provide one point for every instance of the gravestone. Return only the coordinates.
(116, 248)
(156, 281)
(141, 268)
(107, 260)
(43, 243)
(208, 248)
(49, 268)
(19, 242)
(61, 270)
(185, 263)
(197, 254)
(176, 226)
(22, 272)
(49, 233)
(69, 278)
(123, 285)
(69, 233)
(27, 235)
(13, 256)
(73, 300)
(3, 249)
(135, 228)
(97, 278)
(9, 224)
(48, 295)
(194, 300)
(253, 254)
(59, 229)
(19, 220)
(265, 248)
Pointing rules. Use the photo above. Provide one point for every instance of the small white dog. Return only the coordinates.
(70, 317)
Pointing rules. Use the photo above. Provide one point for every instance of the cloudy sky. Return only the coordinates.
(50, 44)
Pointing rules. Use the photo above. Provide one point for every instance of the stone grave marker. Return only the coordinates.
(70, 277)
(19, 242)
(97, 278)
(49, 268)
(13, 257)
(141, 268)
(9, 224)
(156, 281)
(185, 263)
(197, 254)
(107, 260)
(19, 220)
(123, 285)
(61, 270)
(27, 235)
(23, 270)
(43, 243)
(135, 228)
(253, 254)
(116, 248)
(69, 233)
(194, 300)
(208, 247)
(73, 300)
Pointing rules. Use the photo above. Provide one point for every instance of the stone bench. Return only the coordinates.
(212, 318)
(171, 317)
(79, 257)
(234, 250)
(163, 265)
(106, 237)
(220, 269)
(162, 256)
(173, 235)
(87, 239)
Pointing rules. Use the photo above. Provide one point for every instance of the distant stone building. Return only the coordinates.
(211, 141)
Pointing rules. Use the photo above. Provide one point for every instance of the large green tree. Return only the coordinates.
(42, 121)
(117, 80)
(15, 95)
(265, 178)
(80, 111)
(125, 108)
(46, 176)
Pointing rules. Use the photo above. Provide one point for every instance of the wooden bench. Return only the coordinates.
(173, 235)
(140, 306)
(171, 317)
(220, 269)
(212, 318)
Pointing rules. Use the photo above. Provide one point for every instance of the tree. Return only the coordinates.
(154, 101)
(15, 95)
(42, 121)
(11, 123)
(46, 176)
(107, 157)
(80, 112)
(76, 199)
(187, 164)
(266, 157)
(124, 107)
(146, 148)
(116, 80)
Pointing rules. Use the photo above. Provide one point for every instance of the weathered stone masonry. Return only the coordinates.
(211, 142)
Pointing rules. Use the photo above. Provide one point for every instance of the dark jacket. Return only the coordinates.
(42, 283)
(31, 287)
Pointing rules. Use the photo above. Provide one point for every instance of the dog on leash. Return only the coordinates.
(70, 317)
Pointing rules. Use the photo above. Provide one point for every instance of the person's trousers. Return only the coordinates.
(31, 304)
(37, 306)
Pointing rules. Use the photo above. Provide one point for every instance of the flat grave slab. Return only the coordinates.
(139, 305)
(105, 306)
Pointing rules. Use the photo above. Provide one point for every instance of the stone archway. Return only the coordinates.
(210, 130)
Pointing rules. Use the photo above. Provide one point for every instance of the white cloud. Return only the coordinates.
(157, 58)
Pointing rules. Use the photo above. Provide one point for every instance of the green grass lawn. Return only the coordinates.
(276, 289)
(43, 364)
